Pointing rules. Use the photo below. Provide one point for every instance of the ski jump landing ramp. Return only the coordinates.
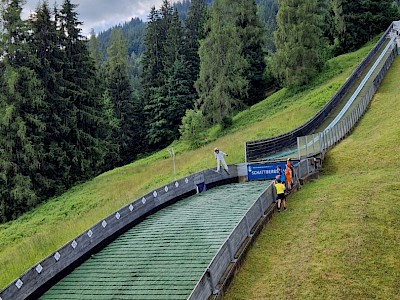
(166, 252)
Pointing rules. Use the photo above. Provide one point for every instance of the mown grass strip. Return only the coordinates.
(37, 234)
(339, 238)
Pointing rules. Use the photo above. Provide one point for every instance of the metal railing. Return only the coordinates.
(227, 254)
(310, 145)
(256, 151)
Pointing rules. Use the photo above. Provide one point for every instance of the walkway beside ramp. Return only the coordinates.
(164, 256)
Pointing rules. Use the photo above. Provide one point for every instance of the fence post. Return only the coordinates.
(298, 147)
(261, 206)
(338, 132)
(231, 251)
(306, 143)
(313, 143)
(299, 169)
(245, 152)
(247, 226)
(213, 285)
(320, 142)
(329, 137)
(342, 129)
(353, 119)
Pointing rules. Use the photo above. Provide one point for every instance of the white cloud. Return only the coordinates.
(102, 14)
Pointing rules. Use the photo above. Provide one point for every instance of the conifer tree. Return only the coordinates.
(21, 118)
(95, 51)
(358, 21)
(268, 9)
(45, 39)
(222, 83)
(87, 147)
(252, 36)
(173, 45)
(195, 31)
(179, 96)
(152, 56)
(154, 77)
(162, 61)
(298, 41)
(119, 90)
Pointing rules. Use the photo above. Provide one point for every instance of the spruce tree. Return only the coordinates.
(95, 51)
(154, 77)
(358, 21)
(162, 60)
(298, 41)
(268, 9)
(252, 36)
(45, 39)
(119, 90)
(173, 45)
(22, 111)
(87, 148)
(152, 56)
(179, 96)
(222, 83)
(195, 31)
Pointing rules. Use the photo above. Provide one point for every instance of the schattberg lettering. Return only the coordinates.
(261, 172)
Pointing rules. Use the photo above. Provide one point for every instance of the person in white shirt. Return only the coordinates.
(219, 155)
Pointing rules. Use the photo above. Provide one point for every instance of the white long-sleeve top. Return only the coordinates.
(220, 155)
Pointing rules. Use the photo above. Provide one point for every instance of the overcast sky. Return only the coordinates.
(102, 14)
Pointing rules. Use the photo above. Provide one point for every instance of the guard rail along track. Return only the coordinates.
(221, 269)
(259, 150)
(38, 279)
(311, 145)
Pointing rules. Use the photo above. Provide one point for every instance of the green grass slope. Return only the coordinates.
(340, 237)
(37, 234)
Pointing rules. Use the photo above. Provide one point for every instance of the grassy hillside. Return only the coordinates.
(40, 232)
(339, 238)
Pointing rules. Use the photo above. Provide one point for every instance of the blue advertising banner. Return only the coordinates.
(264, 171)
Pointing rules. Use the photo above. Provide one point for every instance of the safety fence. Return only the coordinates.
(47, 272)
(37, 279)
(256, 151)
(33, 283)
(313, 144)
(226, 257)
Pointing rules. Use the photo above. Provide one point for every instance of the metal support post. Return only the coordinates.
(298, 147)
(313, 143)
(172, 154)
(306, 143)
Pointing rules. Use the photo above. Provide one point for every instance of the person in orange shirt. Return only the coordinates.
(288, 174)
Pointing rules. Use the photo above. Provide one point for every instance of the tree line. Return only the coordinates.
(72, 108)
(58, 124)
